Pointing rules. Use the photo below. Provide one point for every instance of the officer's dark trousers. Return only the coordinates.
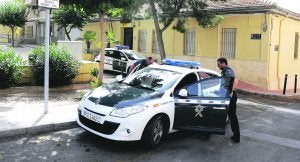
(232, 116)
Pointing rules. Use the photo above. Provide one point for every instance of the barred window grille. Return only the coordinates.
(29, 31)
(142, 40)
(189, 42)
(155, 48)
(228, 42)
(296, 45)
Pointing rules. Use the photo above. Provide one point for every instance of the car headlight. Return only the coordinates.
(124, 112)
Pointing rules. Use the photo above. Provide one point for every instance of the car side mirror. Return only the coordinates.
(123, 59)
(119, 78)
(183, 93)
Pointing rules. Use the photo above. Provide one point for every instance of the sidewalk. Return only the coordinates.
(246, 88)
(22, 108)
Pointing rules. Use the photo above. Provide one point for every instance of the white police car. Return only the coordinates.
(157, 100)
(119, 59)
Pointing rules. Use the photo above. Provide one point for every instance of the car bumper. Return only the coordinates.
(114, 128)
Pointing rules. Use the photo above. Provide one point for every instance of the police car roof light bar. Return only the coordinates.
(120, 47)
(181, 63)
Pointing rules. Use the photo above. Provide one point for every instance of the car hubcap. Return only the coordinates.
(158, 132)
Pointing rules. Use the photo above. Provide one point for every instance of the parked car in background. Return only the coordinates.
(157, 100)
(119, 59)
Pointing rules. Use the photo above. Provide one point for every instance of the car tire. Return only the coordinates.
(154, 133)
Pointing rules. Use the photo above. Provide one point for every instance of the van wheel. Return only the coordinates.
(154, 132)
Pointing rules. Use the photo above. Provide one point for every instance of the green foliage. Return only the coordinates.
(114, 12)
(173, 11)
(111, 38)
(63, 67)
(89, 37)
(94, 74)
(70, 16)
(205, 18)
(95, 84)
(100, 6)
(13, 14)
(179, 25)
(11, 68)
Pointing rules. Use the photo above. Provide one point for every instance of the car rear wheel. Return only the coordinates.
(154, 132)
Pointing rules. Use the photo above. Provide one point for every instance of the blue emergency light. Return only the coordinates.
(120, 47)
(181, 63)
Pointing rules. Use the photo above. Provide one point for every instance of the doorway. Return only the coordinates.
(128, 37)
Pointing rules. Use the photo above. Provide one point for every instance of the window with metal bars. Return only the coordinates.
(142, 40)
(155, 48)
(228, 42)
(189, 42)
(296, 45)
(29, 31)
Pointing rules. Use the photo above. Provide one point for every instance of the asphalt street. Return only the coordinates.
(269, 132)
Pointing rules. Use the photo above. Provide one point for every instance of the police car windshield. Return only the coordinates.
(153, 79)
(132, 55)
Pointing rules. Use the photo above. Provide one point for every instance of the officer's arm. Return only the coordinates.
(234, 86)
(131, 68)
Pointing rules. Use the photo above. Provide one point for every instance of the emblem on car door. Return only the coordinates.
(198, 111)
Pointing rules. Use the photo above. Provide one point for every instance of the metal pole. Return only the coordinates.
(46, 74)
(284, 86)
(295, 87)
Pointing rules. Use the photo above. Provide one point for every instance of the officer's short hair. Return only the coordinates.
(222, 60)
(150, 58)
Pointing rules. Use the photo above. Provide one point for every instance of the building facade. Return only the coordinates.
(260, 41)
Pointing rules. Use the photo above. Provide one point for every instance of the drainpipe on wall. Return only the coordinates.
(270, 49)
(218, 46)
(279, 50)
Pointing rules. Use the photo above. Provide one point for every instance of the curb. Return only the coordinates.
(271, 96)
(34, 130)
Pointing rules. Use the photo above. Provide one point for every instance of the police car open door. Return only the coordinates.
(119, 63)
(202, 106)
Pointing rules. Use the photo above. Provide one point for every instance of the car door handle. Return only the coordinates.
(219, 108)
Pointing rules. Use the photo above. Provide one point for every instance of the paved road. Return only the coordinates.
(270, 132)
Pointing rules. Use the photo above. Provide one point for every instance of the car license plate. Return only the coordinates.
(92, 116)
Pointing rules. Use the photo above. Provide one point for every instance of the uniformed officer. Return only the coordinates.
(143, 63)
(228, 72)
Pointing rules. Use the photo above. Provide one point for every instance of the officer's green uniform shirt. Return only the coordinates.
(228, 72)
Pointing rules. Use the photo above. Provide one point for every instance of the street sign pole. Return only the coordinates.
(47, 4)
(46, 74)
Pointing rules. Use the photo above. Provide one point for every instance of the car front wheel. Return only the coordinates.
(154, 132)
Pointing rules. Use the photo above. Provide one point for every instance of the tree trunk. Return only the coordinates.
(101, 64)
(158, 31)
(88, 46)
(67, 34)
(12, 36)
